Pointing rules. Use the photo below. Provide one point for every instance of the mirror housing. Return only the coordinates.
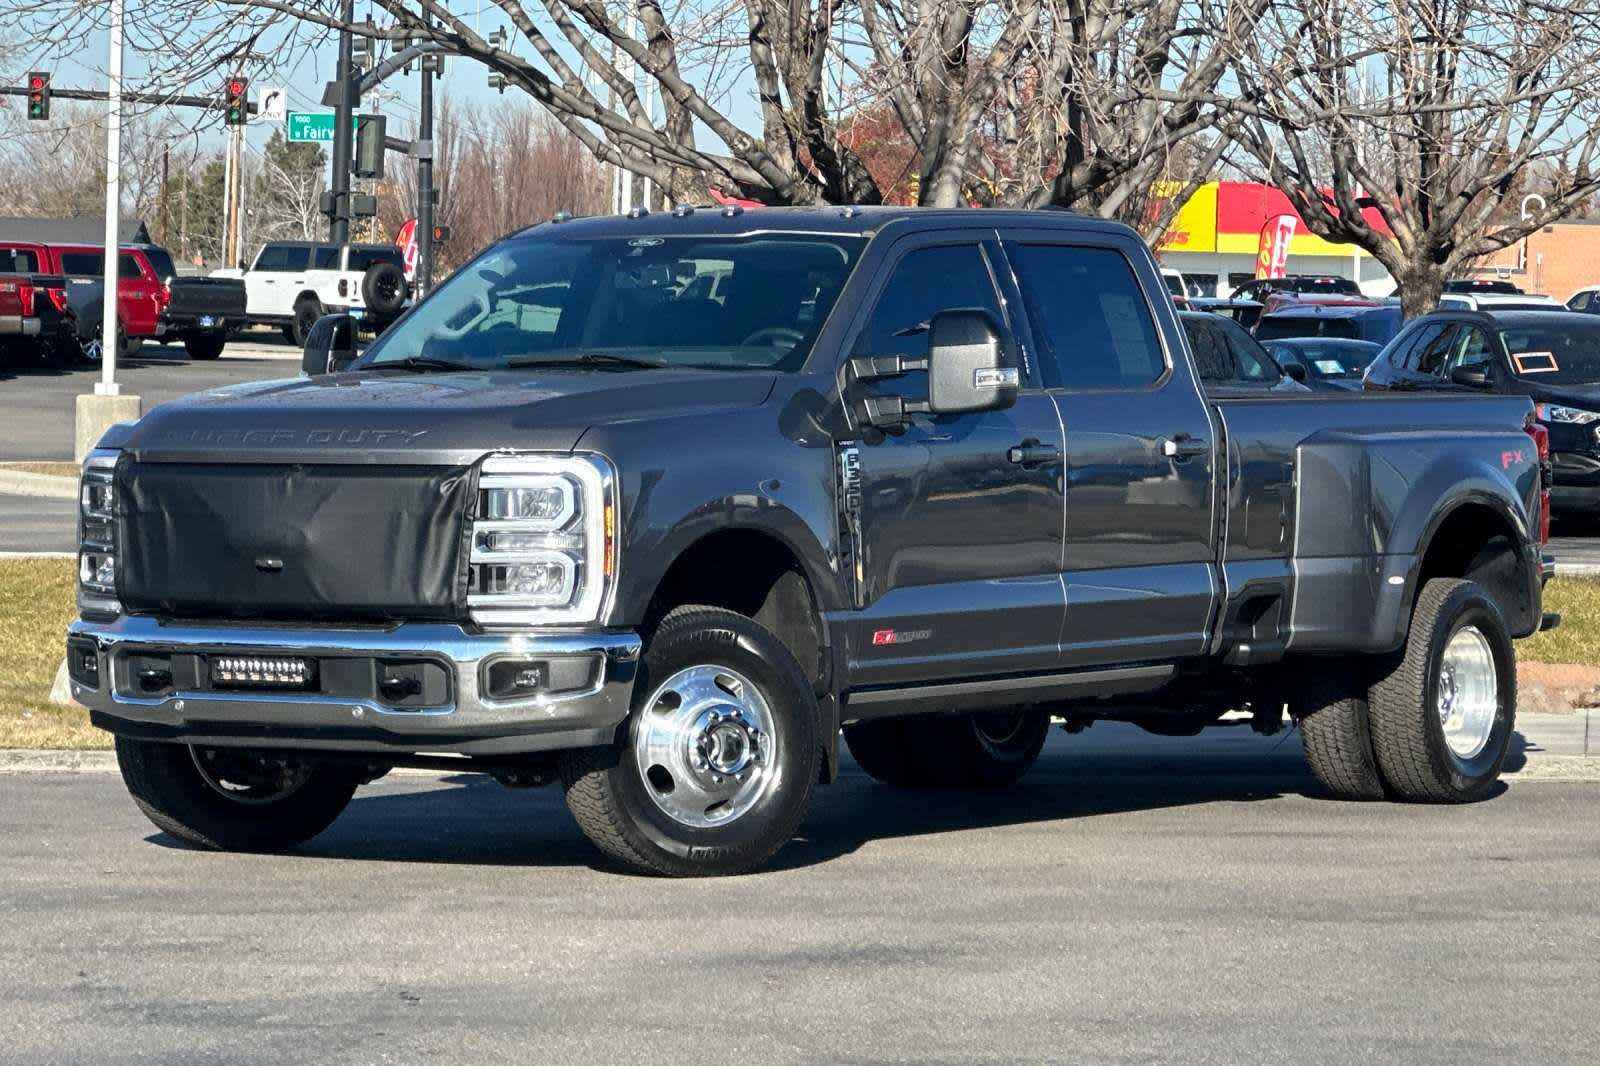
(1470, 378)
(330, 346)
(970, 367)
(1295, 371)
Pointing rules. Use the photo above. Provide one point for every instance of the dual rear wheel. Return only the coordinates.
(1433, 723)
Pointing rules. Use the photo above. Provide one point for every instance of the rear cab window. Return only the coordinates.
(1091, 320)
(360, 259)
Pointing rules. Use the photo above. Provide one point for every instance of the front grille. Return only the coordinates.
(293, 542)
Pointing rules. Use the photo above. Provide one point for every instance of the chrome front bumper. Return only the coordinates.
(467, 722)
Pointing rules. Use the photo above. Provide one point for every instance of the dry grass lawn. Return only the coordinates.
(36, 603)
(53, 469)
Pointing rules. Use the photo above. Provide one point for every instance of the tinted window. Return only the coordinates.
(1174, 284)
(1089, 316)
(1279, 327)
(1250, 361)
(1472, 349)
(161, 262)
(83, 264)
(296, 258)
(925, 282)
(1430, 355)
(1565, 353)
(1211, 357)
(325, 257)
(1342, 286)
(1579, 301)
(128, 266)
(272, 258)
(361, 258)
(18, 261)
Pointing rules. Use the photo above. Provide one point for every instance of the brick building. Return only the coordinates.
(1556, 261)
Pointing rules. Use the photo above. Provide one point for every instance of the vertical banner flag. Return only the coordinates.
(406, 239)
(1272, 253)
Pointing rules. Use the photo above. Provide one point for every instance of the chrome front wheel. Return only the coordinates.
(704, 746)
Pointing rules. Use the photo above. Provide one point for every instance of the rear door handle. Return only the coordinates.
(1031, 453)
(1184, 446)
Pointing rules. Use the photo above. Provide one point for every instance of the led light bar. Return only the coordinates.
(277, 672)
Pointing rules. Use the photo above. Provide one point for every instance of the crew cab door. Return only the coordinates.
(959, 516)
(1140, 531)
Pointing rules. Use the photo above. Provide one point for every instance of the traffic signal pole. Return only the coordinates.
(344, 89)
(424, 230)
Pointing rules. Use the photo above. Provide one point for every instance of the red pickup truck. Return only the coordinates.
(152, 301)
(35, 323)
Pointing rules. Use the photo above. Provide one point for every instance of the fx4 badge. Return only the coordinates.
(881, 637)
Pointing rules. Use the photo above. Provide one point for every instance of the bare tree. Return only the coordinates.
(1026, 102)
(1409, 127)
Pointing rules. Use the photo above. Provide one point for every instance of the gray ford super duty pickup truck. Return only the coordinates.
(657, 506)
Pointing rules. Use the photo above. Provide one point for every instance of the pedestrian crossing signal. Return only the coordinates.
(39, 95)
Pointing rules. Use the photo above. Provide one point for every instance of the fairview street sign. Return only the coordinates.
(312, 126)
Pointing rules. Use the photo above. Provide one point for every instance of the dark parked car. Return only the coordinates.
(1325, 362)
(1552, 357)
(1244, 312)
(657, 507)
(1228, 358)
(1482, 287)
(1362, 321)
(1319, 284)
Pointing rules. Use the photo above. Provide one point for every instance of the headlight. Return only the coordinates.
(97, 535)
(543, 540)
(1554, 412)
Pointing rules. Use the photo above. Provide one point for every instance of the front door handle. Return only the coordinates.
(1183, 446)
(1031, 453)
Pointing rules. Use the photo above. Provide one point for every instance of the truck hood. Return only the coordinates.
(424, 418)
(1585, 396)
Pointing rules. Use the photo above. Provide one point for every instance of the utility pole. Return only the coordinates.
(166, 171)
(234, 193)
(424, 230)
(344, 111)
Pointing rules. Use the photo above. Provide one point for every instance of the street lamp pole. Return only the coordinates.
(107, 385)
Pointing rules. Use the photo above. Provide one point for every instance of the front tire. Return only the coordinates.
(1443, 715)
(720, 755)
(232, 799)
(989, 749)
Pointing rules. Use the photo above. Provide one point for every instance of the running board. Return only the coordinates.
(1005, 691)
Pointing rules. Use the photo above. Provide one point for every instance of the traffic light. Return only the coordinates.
(441, 234)
(369, 146)
(39, 95)
(237, 108)
(363, 46)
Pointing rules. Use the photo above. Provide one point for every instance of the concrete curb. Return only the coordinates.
(47, 486)
(1576, 569)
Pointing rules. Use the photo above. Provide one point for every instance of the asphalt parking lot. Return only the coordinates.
(1139, 906)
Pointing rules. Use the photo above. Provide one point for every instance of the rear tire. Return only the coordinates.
(205, 346)
(720, 755)
(1443, 713)
(988, 749)
(244, 801)
(1334, 730)
(288, 335)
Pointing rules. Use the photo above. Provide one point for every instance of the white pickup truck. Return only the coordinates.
(293, 283)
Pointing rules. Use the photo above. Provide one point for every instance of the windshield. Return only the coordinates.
(1557, 354)
(754, 302)
(1327, 360)
(1279, 327)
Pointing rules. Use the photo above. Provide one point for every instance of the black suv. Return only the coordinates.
(1552, 357)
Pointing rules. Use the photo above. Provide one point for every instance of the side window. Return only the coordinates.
(1403, 352)
(1431, 354)
(1250, 360)
(82, 264)
(1472, 350)
(925, 282)
(1090, 317)
(325, 257)
(1211, 356)
(296, 259)
(128, 267)
(271, 258)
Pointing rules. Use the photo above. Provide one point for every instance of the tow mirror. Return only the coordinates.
(330, 346)
(970, 368)
(1470, 377)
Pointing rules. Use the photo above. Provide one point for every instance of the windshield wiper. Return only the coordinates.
(421, 362)
(586, 359)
